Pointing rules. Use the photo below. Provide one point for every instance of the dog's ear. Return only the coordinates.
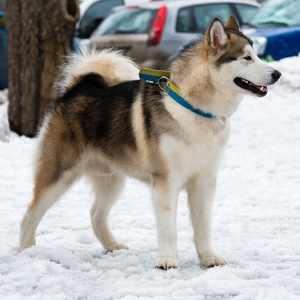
(232, 24)
(216, 34)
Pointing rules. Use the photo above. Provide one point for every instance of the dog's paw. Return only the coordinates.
(25, 244)
(166, 263)
(115, 247)
(210, 260)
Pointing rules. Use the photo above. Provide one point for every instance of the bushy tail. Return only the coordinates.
(112, 65)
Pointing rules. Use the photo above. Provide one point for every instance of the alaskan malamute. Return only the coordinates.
(107, 124)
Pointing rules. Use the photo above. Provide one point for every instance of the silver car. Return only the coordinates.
(152, 33)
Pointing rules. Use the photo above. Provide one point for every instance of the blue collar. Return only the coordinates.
(162, 78)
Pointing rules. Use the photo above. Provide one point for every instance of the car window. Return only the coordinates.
(184, 22)
(127, 21)
(246, 12)
(94, 15)
(203, 14)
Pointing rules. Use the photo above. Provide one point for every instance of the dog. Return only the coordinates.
(107, 125)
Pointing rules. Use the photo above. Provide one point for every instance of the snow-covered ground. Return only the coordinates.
(256, 224)
(4, 127)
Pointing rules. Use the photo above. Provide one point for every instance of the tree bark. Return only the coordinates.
(40, 36)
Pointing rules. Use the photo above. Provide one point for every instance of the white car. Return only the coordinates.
(152, 33)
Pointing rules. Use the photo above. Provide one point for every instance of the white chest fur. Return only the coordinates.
(198, 152)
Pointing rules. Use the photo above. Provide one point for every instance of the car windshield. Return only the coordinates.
(278, 13)
(127, 21)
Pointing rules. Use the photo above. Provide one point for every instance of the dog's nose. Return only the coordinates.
(276, 75)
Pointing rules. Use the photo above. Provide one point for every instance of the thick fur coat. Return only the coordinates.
(106, 125)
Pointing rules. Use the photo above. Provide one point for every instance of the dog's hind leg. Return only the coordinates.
(46, 193)
(55, 173)
(42, 201)
(107, 189)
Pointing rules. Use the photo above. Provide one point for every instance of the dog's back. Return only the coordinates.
(99, 116)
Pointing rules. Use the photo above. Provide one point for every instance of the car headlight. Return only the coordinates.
(259, 44)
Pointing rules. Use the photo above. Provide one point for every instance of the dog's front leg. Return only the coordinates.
(165, 195)
(201, 193)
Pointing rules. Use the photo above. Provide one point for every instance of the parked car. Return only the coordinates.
(3, 52)
(153, 32)
(277, 29)
(93, 12)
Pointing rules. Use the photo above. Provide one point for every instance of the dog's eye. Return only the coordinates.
(248, 57)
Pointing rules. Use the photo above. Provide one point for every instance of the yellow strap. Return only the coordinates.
(173, 86)
(156, 72)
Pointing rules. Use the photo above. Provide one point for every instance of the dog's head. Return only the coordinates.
(234, 63)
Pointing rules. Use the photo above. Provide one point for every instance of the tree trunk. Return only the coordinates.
(40, 35)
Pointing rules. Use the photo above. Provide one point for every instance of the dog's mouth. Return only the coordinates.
(259, 90)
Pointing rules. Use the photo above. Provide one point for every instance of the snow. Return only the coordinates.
(289, 66)
(4, 127)
(256, 222)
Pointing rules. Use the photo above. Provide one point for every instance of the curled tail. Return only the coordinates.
(111, 65)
